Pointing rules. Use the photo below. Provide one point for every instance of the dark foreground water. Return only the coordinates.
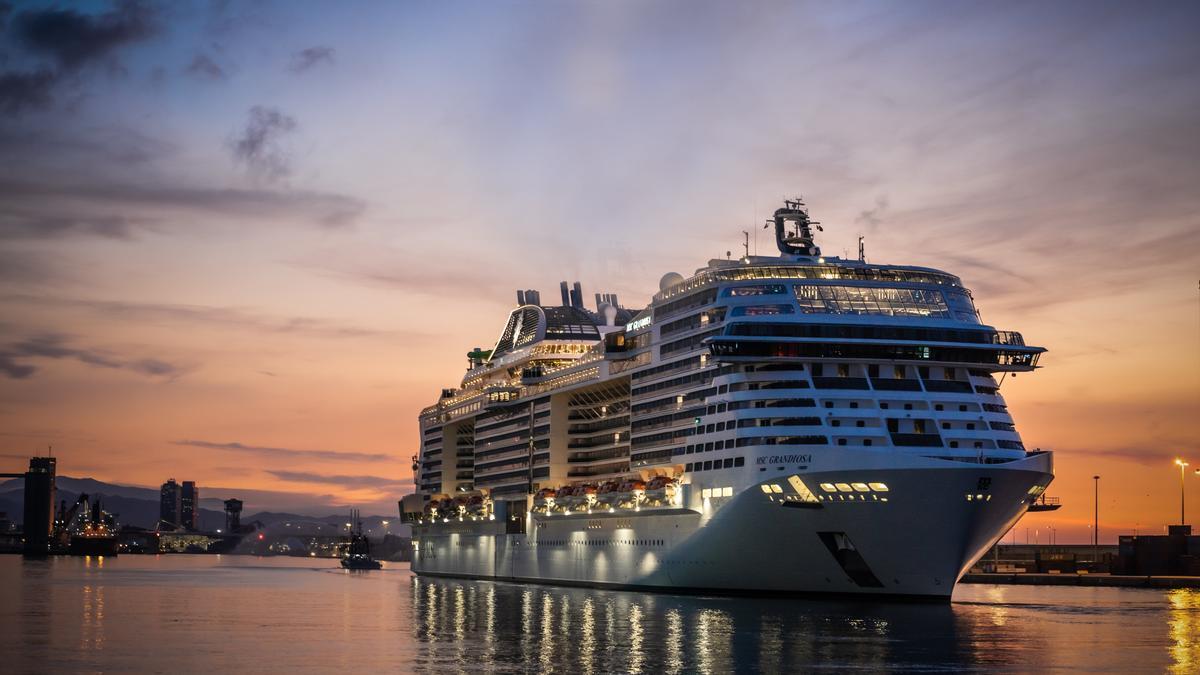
(238, 614)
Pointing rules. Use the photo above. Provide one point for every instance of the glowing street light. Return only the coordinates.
(1182, 470)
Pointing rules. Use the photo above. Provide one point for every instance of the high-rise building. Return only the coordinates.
(170, 503)
(190, 505)
(40, 493)
(233, 515)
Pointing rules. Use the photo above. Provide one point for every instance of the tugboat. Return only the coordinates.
(358, 557)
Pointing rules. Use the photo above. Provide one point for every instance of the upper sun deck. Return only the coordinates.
(800, 258)
(767, 268)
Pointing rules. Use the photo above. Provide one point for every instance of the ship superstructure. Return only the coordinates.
(771, 424)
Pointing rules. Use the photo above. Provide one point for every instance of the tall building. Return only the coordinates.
(190, 505)
(170, 503)
(233, 515)
(40, 493)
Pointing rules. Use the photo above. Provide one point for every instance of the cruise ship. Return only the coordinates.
(777, 425)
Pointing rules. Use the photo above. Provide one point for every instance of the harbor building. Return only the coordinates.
(170, 503)
(190, 506)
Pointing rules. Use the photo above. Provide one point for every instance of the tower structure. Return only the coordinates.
(170, 503)
(40, 493)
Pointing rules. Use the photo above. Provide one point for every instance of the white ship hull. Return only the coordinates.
(915, 544)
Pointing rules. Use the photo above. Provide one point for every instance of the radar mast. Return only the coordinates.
(794, 229)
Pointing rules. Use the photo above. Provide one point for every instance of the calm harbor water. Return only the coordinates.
(236, 613)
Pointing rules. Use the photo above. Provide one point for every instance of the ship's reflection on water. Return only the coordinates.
(237, 613)
(461, 624)
(466, 623)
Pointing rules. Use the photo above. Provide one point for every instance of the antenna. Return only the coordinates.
(746, 242)
(862, 250)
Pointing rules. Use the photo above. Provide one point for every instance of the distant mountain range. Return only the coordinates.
(139, 506)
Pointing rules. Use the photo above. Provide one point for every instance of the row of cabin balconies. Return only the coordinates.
(656, 406)
(592, 457)
(512, 477)
(599, 411)
(653, 458)
(598, 441)
(606, 423)
(501, 466)
(600, 471)
(519, 450)
(681, 417)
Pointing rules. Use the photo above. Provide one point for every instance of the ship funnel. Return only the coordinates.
(520, 298)
(566, 299)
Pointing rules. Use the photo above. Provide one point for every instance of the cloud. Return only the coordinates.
(29, 267)
(259, 144)
(14, 370)
(73, 39)
(306, 59)
(287, 453)
(83, 147)
(49, 210)
(873, 217)
(135, 312)
(26, 91)
(205, 68)
(57, 346)
(344, 481)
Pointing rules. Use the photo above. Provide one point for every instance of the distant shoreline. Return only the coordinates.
(1093, 580)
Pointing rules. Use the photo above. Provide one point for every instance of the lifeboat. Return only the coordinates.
(660, 490)
(589, 493)
(633, 485)
(566, 496)
(544, 499)
(609, 492)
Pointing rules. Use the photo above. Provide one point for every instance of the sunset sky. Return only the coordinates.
(244, 243)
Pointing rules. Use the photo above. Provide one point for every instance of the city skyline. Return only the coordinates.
(247, 245)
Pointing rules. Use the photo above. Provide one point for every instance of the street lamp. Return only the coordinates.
(1182, 469)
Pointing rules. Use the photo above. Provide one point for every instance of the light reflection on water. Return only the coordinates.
(191, 613)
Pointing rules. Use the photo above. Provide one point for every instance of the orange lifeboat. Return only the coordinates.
(633, 485)
(658, 483)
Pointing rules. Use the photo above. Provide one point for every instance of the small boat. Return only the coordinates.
(358, 557)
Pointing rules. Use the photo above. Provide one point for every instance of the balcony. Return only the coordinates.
(598, 441)
(948, 386)
(840, 383)
(600, 455)
(597, 471)
(917, 440)
(881, 384)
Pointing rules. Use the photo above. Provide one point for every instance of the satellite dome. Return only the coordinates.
(670, 279)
